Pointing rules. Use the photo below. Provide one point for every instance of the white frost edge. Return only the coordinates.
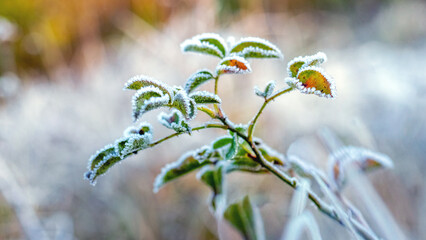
(258, 40)
(93, 172)
(258, 92)
(197, 42)
(271, 88)
(233, 69)
(296, 83)
(144, 78)
(89, 164)
(129, 146)
(198, 75)
(322, 57)
(206, 94)
(158, 182)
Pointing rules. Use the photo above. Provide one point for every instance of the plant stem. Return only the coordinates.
(267, 100)
(211, 125)
(322, 206)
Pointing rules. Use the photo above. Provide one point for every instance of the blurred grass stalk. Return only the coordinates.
(16, 197)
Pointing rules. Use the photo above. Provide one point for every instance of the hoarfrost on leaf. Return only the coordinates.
(269, 89)
(364, 159)
(204, 97)
(299, 63)
(183, 103)
(233, 65)
(175, 120)
(141, 81)
(252, 47)
(146, 99)
(197, 79)
(206, 43)
(185, 164)
(313, 80)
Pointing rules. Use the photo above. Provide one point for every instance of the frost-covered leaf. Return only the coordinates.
(270, 154)
(102, 167)
(134, 139)
(141, 81)
(182, 102)
(197, 79)
(206, 43)
(146, 99)
(244, 164)
(246, 218)
(214, 177)
(204, 97)
(135, 143)
(269, 89)
(233, 65)
(96, 158)
(298, 63)
(302, 168)
(187, 163)
(252, 47)
(313, 80)
(207, 110)
(141, 129)
(175, 120)
(364, 159)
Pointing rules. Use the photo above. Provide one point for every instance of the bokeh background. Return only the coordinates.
(63, 65)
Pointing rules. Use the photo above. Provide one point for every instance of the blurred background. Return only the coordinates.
(63, 65)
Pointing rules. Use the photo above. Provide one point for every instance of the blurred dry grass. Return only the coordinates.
(50, 128)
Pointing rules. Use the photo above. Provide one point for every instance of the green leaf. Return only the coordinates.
(245, 217)
(186, 164)
(207, 43)
(198, 79)
(141, 81)
(204, 97)
(233, 148)
(221, 142)
(146, 99)
(214, 177)
(245, 164)
(256, 48)
(233, 65)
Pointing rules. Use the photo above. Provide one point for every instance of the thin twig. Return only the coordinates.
(267, 100)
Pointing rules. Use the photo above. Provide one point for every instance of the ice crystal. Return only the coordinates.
(234, 65)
